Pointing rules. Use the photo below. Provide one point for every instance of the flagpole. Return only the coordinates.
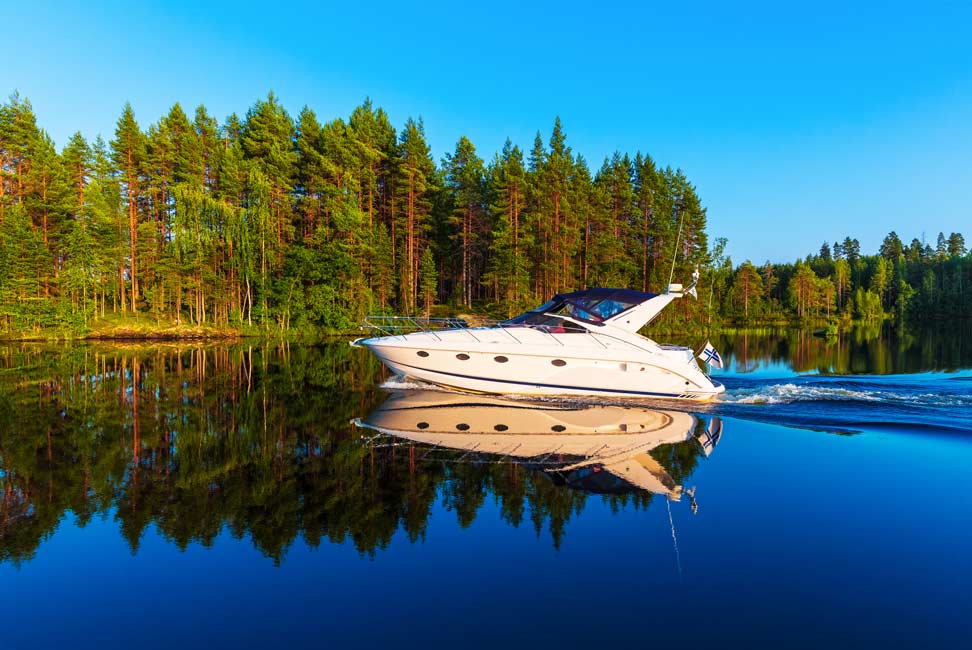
(671, 275)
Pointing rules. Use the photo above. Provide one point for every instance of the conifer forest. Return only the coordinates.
(275, 222)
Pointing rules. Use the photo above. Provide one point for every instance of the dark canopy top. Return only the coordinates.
(629, 297)
(593, 305)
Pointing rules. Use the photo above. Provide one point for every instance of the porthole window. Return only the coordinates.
(422, 353)
(558, 428)
(501, 427)
(462, 426)
(422, 425)
(500, 359)
(462, 356)
(559, 363)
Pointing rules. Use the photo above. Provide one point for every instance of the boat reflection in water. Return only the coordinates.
(600, 449)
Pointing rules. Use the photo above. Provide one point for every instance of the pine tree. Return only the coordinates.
(128, 152)
(802, 290)
(536, 205)
(310, 185)
(747, 286)
(608, 261)
(842, 275)
(414, 185)
(267, 139)
(208, 136)
(956, 245)
(374, 141)
(825, 252)
(852, 250)
(19, 137)
(689, 216)
(881, 277)
(46, 202)
(891, 247)
(512, 238)
(646, 189)
(770, 280)
(941, 247)
(465, 178)
(556, 188)
(80, 266)
(428, 279)
(77, 162)
(21, 260)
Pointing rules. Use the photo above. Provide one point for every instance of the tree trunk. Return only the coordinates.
(132, 229)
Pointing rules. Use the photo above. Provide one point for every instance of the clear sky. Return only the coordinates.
(798, 122)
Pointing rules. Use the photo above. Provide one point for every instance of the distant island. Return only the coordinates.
(278, 224)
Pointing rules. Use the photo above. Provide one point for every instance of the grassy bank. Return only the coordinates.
(142, 327)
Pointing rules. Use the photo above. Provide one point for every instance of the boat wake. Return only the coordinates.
(918, 403)
(397, 383)
(789, 393)
(901, 402)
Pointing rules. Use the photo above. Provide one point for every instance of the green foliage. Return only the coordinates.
(914, 283)
(277, 222)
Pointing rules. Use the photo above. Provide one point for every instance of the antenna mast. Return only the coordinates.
(671, 275)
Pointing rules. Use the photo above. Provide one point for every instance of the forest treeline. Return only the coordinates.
(913, 283)
(273, 221)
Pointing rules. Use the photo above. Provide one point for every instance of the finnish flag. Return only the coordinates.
(711, 436)
(710, 355)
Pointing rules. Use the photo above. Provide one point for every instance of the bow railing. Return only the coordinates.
(401, 325)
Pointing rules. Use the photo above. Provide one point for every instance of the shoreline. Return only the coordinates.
(173, 337)
(130, 331)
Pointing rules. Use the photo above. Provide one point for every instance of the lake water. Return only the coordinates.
(237, 495)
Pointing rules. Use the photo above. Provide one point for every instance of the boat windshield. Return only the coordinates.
(590, 306)
(546, 322)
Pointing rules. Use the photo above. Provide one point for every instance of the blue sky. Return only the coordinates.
(797, 122)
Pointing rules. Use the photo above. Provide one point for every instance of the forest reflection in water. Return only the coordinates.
(195, 440)
(872, 349)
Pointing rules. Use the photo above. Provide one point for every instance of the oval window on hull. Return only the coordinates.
(501, 427)
(462, 426)
(558, 428)
(560, 363)
(422, 353)
(500, 359)
(462, 356)
(423, 425)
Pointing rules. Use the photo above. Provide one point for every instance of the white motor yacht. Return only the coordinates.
(596, 448)
(580, 343)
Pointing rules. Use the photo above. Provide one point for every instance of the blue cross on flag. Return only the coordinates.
(710, 355)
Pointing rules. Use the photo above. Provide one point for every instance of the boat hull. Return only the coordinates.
(516, 369)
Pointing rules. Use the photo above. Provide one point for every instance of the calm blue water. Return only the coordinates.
(159, 497)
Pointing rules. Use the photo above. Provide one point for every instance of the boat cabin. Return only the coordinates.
(595, 306)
